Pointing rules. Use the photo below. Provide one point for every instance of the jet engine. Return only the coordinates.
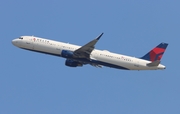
(67, 54)
(72, 63)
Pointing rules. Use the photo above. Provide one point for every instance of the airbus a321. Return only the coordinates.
(81, 55)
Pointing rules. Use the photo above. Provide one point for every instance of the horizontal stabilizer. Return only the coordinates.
(154, 63)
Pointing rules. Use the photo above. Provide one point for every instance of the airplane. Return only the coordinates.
(77, 56)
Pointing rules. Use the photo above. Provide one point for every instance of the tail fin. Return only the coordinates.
(156, 53)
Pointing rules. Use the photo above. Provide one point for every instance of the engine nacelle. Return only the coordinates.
(72, 63)
(67, 54)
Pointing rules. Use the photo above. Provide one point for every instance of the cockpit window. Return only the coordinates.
(20, 37)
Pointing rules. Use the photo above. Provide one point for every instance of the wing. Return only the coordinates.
(85, 51)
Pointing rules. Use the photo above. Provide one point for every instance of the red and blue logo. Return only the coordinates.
(156, 53)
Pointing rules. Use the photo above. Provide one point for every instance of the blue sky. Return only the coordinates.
(33, 83)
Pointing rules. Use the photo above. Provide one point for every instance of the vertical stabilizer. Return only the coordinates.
(156, 53)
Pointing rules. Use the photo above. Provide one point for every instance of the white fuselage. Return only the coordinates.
(104, 58)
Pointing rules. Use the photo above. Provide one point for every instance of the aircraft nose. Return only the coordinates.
(14, 42)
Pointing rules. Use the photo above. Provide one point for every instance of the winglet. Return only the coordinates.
(99, 36)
